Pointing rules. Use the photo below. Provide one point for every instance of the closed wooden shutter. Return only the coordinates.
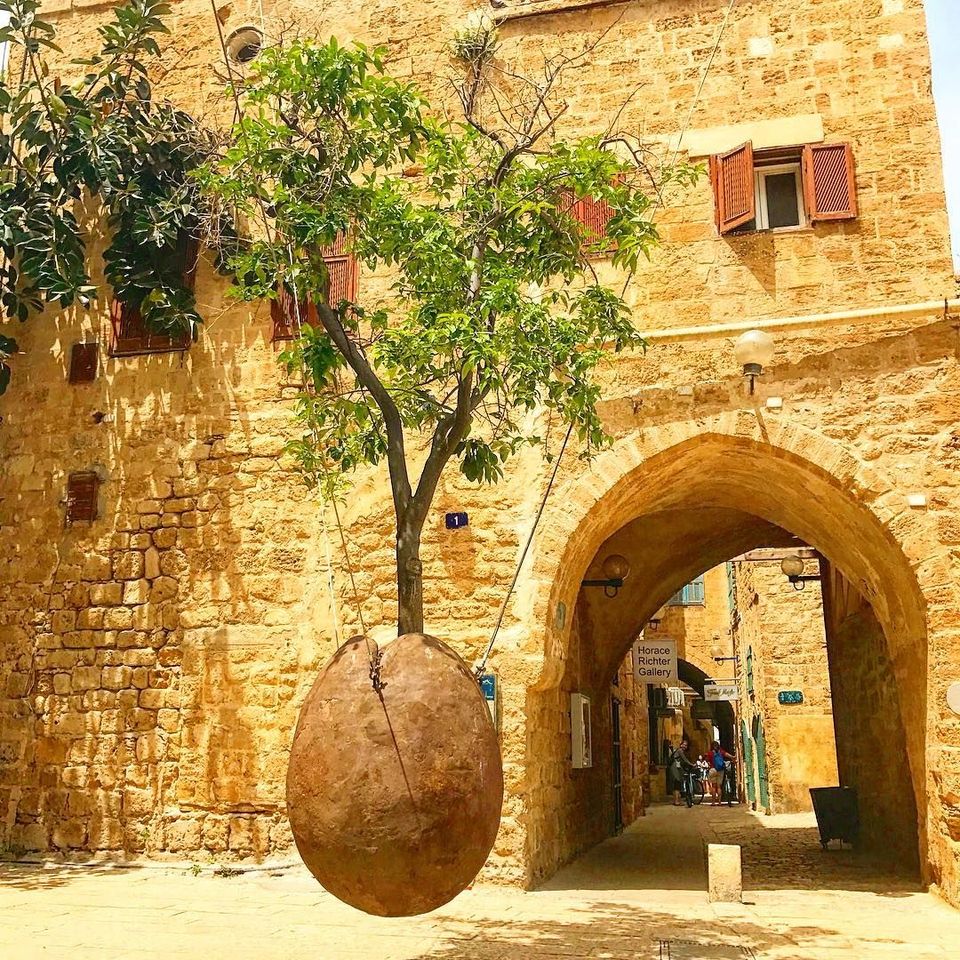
(594, 214)
(342, 268)
(130, 333)
(82, 496)
(732, 178)
(188, 255)
(131, 336)
(287, 318)
(83, 362)
(829, 181)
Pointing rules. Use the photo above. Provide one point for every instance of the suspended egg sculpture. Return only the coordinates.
(394, 795)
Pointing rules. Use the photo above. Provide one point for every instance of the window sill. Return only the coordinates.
(807, 228)
(147, 351)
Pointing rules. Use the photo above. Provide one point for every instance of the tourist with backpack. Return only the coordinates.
(716, 759)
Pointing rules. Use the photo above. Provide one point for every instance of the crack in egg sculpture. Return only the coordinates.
(394, 798)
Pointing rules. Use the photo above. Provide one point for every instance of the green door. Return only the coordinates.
(761, 763)
(750, 784)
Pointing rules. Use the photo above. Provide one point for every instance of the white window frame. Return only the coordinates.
(4, 45)
(760, 194)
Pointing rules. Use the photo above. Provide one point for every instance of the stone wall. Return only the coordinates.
(872, 753)
(153, 661)
(783, 631)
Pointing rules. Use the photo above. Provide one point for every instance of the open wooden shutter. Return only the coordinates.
(829, 181)
(82, 496)
(83, 362)
(732, 177)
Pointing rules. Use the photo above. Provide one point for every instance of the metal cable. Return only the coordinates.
(481, 665)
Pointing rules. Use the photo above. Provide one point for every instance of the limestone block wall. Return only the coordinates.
(871, 749)
(153, 662)
(783, 629)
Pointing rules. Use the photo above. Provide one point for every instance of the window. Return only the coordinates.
(690, 595)
(130, 333)
(83, 362)
(594, 214)
(782, 187)
(342, 267)
(82, 496)
(4, 45)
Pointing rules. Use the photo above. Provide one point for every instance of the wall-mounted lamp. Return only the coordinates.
(615, 570)
(792, 568)
(654, 623)
(718, 655)
(753, 351)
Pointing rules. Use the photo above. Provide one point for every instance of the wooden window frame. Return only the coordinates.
(131, 338)
(83, 492)
(760, 173)
(729, 169)
(284, 318)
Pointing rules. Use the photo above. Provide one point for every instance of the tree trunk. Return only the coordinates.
(409, 577)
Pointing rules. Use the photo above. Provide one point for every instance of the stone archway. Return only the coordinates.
(749, 480)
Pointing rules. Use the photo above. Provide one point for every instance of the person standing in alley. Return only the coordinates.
(716, 759)
(682, 768)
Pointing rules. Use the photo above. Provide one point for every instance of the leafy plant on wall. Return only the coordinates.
(100, 138)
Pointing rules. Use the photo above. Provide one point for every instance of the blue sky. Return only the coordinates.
(943, 22)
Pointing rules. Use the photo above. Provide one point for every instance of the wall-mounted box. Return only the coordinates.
(580, 731)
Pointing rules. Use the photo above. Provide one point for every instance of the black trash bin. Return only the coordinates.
(838, 817)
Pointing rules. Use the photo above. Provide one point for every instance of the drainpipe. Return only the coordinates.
(901, 311)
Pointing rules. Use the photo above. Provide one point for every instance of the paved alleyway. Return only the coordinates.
(621, 901)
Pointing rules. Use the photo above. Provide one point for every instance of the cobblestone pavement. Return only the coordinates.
(640, 896)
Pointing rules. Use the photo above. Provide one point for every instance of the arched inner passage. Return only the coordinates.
(683, 512)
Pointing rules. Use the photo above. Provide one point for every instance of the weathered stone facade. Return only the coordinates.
(781, 645)
(154, 660)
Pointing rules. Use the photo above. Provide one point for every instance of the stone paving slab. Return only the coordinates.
(610, 905)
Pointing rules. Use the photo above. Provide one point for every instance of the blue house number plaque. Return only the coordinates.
(790, 696)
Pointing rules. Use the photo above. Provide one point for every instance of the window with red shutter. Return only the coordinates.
(82, 488)
(288, 315)
(829, 181)
(130, 333)
(342, 268)
(734, 192)
(84, 358)
(594, 214)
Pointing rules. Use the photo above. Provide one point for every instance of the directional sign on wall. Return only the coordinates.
(721, 691)
(655, 660)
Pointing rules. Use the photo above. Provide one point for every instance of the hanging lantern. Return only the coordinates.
(394, 795)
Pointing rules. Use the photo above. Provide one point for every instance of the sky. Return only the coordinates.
(943, 25)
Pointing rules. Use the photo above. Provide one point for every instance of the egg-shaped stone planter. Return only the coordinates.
(394, 797)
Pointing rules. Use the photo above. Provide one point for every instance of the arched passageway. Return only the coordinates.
(682, 509)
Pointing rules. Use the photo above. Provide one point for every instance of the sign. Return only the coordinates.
(790, 696)
(655, 660)
(721, 691)
(488, 687)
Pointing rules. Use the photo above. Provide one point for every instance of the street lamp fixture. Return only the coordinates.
(615, 569)
(792, 568)
(717, 653)
(753, 351)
